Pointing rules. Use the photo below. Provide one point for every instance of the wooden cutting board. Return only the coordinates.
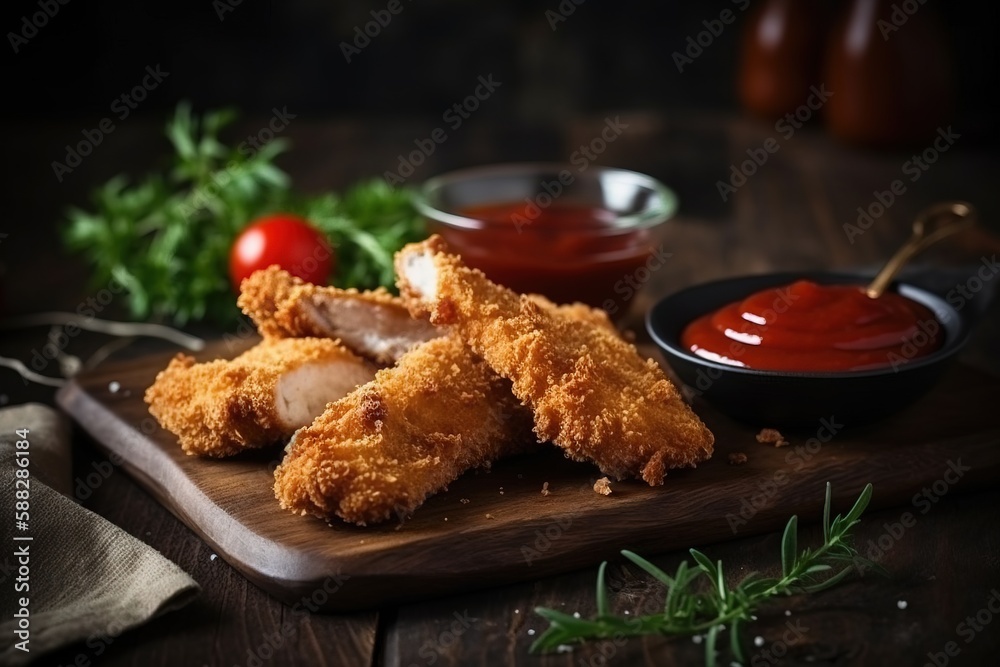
(492, 528)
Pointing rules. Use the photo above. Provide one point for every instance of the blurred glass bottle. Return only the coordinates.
(888, 67)
(780, 55)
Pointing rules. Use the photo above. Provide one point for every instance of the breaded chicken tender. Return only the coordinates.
(591, 392)
(579, 312)
(383, 449)
(374, 324)
(260, 398)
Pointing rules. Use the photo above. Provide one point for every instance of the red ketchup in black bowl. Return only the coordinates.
(790, 349)
(810, 327)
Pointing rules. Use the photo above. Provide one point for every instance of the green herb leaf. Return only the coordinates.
(712, 607)
(167, 238)
(651, 569)
(789, 546)
(703, 561)
(860, 505)
(603, 609)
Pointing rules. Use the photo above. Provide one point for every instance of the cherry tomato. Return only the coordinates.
(283, 239)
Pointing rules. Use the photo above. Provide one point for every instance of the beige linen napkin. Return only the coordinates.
(86, 577)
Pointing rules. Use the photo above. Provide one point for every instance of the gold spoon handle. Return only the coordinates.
(932, 225)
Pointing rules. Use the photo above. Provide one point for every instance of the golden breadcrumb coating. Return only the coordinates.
(373, 324)
(383, 449)
(222, 407)
(579, 312)
(591, 392)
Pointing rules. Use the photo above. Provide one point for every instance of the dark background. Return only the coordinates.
(353, 120)
(605, 56)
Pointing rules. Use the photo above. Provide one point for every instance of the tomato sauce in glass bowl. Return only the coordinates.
(551, 230)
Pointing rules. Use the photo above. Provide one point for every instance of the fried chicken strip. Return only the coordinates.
(387, 446)
(591, 392)
(261, 397)
(375, 325)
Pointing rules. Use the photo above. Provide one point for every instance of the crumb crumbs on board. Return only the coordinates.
(603, 486)
(772, 436)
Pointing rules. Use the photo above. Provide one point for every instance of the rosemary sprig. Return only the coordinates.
(699, 601)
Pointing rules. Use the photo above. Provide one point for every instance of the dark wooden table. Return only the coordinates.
(788, 215)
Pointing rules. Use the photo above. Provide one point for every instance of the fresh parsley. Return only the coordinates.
(166, 239)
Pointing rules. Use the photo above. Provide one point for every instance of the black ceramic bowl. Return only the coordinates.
(784, 398)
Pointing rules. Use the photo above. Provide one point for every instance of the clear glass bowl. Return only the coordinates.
(569, 233)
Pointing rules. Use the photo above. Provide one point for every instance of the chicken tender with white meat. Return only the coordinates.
(383, 449)
(222, 407)
(374, 324)
(591, 392)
